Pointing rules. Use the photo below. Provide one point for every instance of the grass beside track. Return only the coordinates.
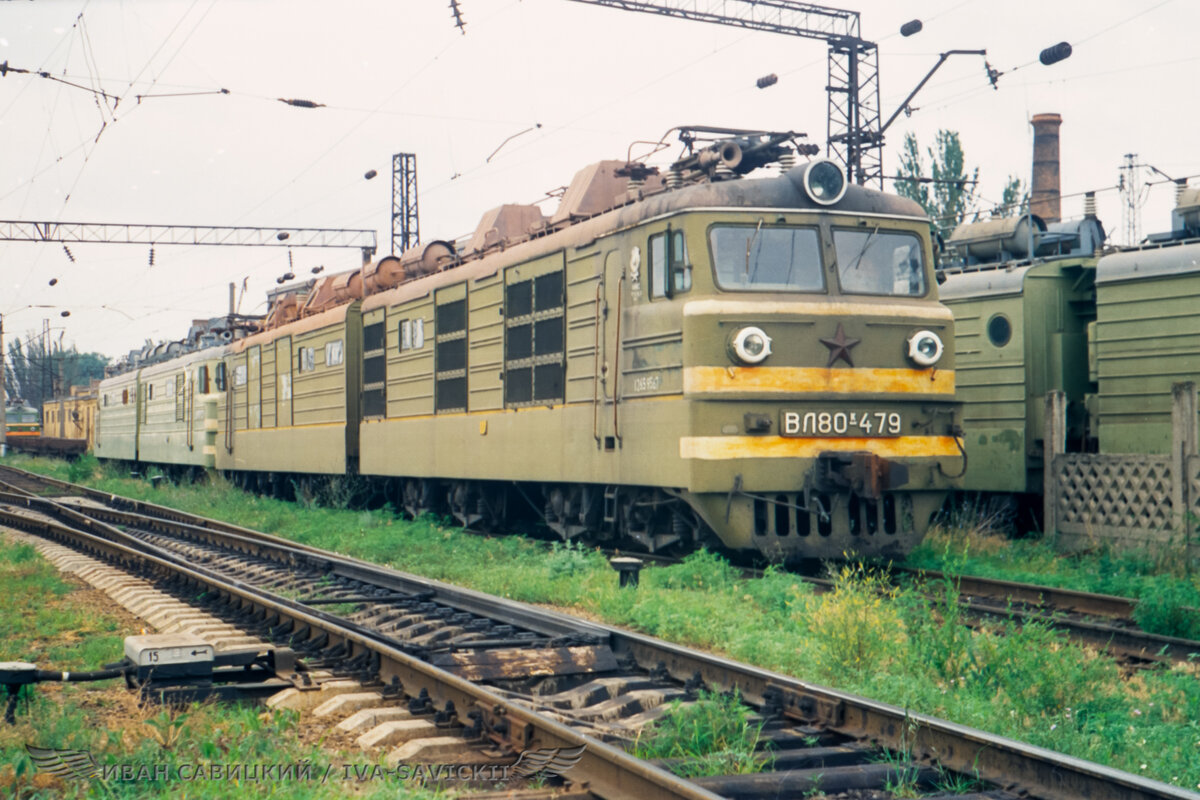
(57, 625)
(1164, 583)
(1028, 683)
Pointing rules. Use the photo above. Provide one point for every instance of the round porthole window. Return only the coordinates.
(999, 330)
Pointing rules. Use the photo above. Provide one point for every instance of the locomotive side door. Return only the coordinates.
(283, 385)
(614, 300)
(254, 388)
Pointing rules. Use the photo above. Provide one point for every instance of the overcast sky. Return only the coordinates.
(398, 76)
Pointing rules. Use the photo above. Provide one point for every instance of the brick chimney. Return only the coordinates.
(1045, 197)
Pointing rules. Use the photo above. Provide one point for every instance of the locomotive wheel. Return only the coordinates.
(653, 520)
(420, 497)
(463, 497)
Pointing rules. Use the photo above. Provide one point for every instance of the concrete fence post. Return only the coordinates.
(1054, 443)
(1183, 447)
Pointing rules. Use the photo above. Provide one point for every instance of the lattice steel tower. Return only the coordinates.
(405, 227)
(854, 134)
(1131, 199)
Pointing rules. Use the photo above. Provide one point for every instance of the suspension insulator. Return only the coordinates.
(1055, 53)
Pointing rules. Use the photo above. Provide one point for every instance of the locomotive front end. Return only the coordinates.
(819, 372)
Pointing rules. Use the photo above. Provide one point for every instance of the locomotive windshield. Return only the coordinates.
(759, 258)
(880, 262)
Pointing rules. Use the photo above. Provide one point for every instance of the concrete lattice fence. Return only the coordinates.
(1124, 499)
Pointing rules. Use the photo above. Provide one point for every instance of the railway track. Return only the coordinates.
(1104, 622)
(503, 677)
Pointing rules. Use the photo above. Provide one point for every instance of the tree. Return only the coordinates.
(36, 375)
(1014, 199)
(945, 198)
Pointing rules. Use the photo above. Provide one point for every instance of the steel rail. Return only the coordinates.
(609, 771)
(1005, 762)
(1057, 598)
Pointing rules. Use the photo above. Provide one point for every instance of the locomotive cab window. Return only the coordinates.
(880, 262)
(670, 272)
(758, 258)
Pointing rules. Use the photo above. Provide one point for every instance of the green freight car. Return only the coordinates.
(1147, 333)
(1021, 329)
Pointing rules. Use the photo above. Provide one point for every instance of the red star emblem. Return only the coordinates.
(839, 347)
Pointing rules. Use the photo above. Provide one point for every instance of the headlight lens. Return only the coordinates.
(751, 345)
(824, 182)
(925, 348)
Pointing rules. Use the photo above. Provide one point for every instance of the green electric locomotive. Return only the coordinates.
(762, 360)
(670, 358)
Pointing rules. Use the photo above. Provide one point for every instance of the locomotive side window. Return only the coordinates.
(306, 359)
(202, 379)
(999, 330)
(880, 262)
(333, 353)
(670, 272)
(772, 259)
(221, 372)
(412, 334)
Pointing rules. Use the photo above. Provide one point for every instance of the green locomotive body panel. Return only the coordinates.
(1145, 340)
(306, 372)
(1021, 331)
(117, 426)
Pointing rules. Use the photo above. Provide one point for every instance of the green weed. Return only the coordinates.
(567, 558)
(715, 735)
(857, 627)
(1169, 608)
(82, 468)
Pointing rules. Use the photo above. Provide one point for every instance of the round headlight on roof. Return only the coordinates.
(925, 348)
(824, 182)
(751, 345)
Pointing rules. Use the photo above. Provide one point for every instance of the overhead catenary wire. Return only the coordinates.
(104, 124)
